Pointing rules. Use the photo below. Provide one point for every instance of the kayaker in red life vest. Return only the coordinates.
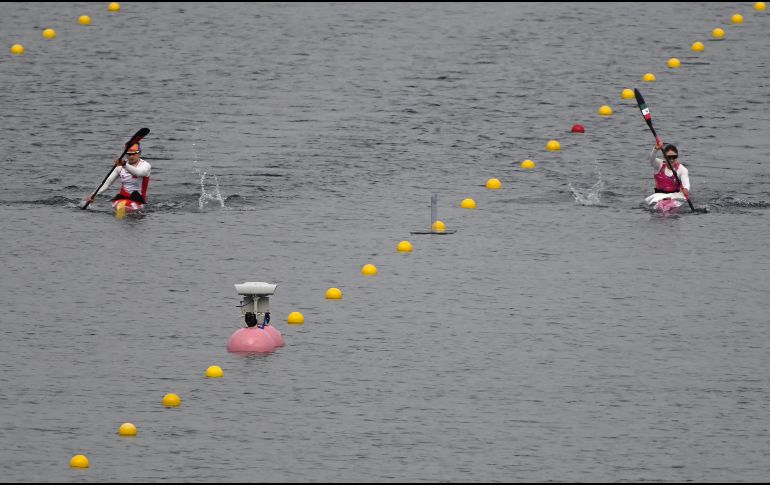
(665, 182)
(135, 177)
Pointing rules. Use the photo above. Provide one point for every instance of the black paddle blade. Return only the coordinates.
(643, 107)
(645, 112)
(639, 98)
(138, 137)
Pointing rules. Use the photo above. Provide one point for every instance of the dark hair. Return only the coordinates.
(670, 147)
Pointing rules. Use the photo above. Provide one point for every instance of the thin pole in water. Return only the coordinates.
(433, 209)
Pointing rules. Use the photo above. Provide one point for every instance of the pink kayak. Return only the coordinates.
(666, 204)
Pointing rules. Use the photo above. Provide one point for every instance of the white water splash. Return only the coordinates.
(206, 197)
(592, 195)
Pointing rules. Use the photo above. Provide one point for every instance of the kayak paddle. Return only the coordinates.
(648, 118)
(134, 140)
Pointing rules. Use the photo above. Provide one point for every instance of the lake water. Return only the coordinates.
(563, 333)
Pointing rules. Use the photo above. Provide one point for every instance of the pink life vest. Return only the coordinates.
(666, 184)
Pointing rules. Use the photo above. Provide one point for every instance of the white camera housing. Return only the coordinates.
(255, 306)
(255, 288)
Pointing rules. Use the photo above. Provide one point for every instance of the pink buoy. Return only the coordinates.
(276, 335)
(252, 339)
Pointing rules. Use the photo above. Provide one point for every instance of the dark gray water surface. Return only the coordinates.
(562, 333)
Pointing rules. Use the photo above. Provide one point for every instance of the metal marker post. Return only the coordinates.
(433, 209)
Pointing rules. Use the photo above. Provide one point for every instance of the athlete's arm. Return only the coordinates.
(113, 176)
(684, 177)
(656, 162)
(141, 169)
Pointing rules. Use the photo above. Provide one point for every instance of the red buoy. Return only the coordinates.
(577, 128)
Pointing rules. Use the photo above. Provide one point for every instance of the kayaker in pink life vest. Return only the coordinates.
(665, 182)
(134, 175)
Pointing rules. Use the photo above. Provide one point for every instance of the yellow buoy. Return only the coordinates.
(718, 33)
(674, 63)
(214, 372)
(760, 6)
(295, 318)
(438, 226)
(405, 247)
(528, 164)
(627, 94)
(49, 34)
(698, 47)
(79, 461)
(127, 429)
(494, 184)
(605, 110)
(468, 204)
(737, 18)
(333, 294)
(114, 7)
(649, 77)
(553, 146)
(171, 400)
(17, 49)
(84, 20)
(369, 270)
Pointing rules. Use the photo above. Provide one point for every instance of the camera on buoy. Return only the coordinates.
(258, 336)
(255, 305)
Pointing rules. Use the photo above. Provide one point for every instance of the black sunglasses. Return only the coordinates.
(672, 157)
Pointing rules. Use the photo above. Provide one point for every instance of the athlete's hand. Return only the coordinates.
(90, 199)
(119, 162)
(686, 193)
(658, 146)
